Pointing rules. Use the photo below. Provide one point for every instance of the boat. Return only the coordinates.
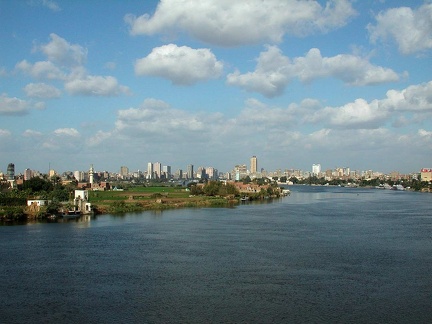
(71, 214)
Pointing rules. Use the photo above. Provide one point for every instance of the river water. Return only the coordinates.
(321, 255)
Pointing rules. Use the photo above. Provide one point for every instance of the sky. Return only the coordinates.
(211, 83)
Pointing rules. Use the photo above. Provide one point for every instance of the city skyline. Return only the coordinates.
(158, 170)
(341, 83)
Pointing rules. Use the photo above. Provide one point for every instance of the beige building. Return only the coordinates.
(253, 164)
(426, 174)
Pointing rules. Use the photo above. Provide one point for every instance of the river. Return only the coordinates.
(320, 255)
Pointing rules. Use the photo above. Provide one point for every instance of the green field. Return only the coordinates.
(149, 198)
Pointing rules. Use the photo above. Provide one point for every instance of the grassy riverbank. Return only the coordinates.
(152, 198)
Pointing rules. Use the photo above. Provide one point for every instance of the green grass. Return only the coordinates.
(138, 193)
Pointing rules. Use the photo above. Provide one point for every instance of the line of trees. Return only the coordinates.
(13, 201)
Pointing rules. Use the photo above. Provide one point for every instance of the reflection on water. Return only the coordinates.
(332, 255)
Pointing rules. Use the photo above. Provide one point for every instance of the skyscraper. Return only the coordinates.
(150, 170)
(27, 174)
(124, 171)
(253, 164)
(190, 172)
(11, 171)
(316, 169)
(157, 169)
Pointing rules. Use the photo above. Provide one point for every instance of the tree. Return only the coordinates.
(246, 180)
(212, 188)
(37, 184)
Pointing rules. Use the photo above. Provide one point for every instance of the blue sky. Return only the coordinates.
(211, 83)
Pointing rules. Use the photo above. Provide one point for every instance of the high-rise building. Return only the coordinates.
(316, 169)
(253, 164)
(150, 170)
(179, 174)
(212, 173)
(124, 171)
(157, 169)
(11, 171)
(79, 175)
(166, 170)
(27, 174)
(190, 172)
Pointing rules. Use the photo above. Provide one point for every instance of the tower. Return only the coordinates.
(190, 172)
(11, 171)
(316, 169)
(253, 164)
(91, 174)
(149, 170)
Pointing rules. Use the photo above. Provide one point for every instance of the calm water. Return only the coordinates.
(322, 255)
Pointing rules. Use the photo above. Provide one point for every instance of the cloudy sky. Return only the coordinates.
(211, 83)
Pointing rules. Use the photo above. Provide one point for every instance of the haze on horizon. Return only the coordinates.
(211, 83)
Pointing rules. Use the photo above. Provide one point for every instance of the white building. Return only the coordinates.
(81, 201)
(316, 169)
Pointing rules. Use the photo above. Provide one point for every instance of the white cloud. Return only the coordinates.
(41, 90)
(65, 63)
(415, 98)
(357, 114)
(410, 29)
(5, 133)
(95, 86)
(425, 133)
(13, 106)
(233, 23)
(72, 132)
(182, 65)
(51, 5)
(361, 114)
(274, 71)
(61, 52)
(41, 70)
(98, 138)
(63, 140)
(271, 76)
(156, 119)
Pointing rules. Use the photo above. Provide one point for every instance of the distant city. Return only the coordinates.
(156, 171)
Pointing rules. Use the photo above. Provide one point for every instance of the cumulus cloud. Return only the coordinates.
(66, 63)
(361, 114)
(72, 132)
(91, 85)
(411, 29)
(5, 133)
(415, 98)
(13, 106)
(44, 70)
(61, 52)
(155, 118)
(274, 71)
(425, 133)
(233, 23)
(182, 65)
(41, 90)
(63, 140)
(357, 114)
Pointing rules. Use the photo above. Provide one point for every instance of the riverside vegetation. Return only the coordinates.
(153, 196)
